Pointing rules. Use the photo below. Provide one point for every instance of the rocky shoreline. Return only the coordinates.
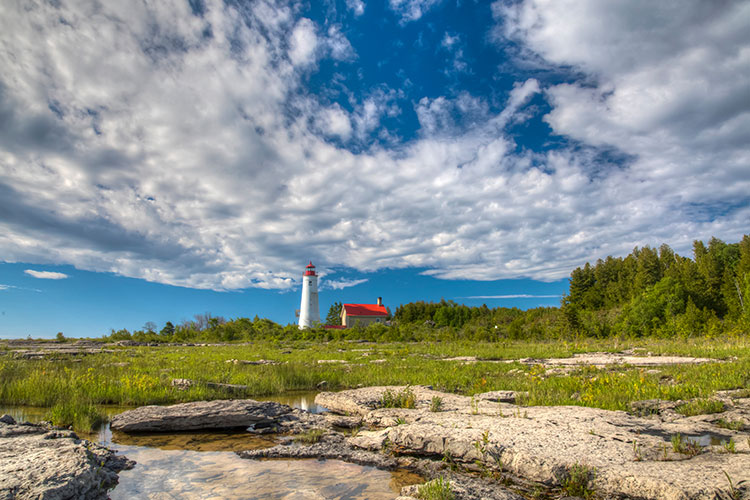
(486, 446)
(38, 461)
(529, 451)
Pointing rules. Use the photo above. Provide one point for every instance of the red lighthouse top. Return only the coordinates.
(310, 270)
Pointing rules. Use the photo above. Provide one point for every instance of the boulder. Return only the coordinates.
(220, 414)
(38, 462)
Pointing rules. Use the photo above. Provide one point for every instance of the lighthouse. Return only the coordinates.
(309, 314)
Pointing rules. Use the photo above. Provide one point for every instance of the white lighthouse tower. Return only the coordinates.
(309, 314)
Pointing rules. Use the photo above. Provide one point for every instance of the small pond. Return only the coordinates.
(203, 465)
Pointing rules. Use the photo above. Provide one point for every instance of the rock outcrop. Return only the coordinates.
(629, 456)
(220, 414)
(39, 462)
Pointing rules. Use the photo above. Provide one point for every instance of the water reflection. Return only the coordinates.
(304, 400)
(186, 474)
(193, 441)
(203, 465)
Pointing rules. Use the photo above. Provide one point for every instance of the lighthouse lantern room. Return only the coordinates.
(309, 314)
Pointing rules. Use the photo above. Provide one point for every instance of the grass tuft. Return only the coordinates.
(82, 416)
(700, 407)
(312, 436)
(437, 489)
(404, 398)
(436, 404)
(577, 481)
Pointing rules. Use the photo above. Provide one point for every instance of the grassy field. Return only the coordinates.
(143, 375)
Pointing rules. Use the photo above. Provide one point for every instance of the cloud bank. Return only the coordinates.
(185, 147)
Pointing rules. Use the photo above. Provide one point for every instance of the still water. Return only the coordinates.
(203, 465)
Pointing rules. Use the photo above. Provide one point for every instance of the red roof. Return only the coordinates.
(365, 310)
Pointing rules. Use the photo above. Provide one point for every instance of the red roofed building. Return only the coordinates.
(363, 313)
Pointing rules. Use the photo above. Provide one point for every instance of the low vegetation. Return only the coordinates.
(311, 436)
(404, 398)
(700, 407)
(437, 489)
(80, 415)
(650, 301)
(143, 375)
(578, 481)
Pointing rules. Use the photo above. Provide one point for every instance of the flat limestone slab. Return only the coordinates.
(632, 456)
(37, 462)
(220, 414)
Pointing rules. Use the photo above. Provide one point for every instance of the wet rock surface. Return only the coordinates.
(220, 414)
(39, 462)
(630, 456)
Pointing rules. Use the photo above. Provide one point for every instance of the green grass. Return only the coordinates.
(436, 404)
(146, 378)
(404, 398)
(577, 481)
(437, 489)
(82, 416)
(700, 407)
(311, 436)
(732, 425)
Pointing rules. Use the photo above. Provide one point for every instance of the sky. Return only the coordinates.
(164, 159)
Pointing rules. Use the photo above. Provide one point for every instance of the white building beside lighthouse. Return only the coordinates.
(309, 314)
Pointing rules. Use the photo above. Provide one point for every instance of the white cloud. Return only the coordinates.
(339, 45)
(6, 287)
(454, 46)
(335, 122)
(46, 275)
(412, 10)
(356, 6)
(670, 88)
(162, 153)
(341, 284)
(303, 42)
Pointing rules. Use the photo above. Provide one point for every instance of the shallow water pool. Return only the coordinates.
(203, 465)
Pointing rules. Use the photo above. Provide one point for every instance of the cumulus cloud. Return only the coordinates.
(46, 275)
(668, 88)
(185, 149)
(302, 43)
(335, 122)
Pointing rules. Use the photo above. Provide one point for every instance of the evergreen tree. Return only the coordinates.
(334, 314)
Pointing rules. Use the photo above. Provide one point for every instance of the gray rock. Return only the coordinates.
(632, 455)
(502, 396)
(183, 384)
(220, 414)
(39, 463)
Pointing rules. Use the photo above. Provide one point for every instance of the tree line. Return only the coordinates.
(650, 292)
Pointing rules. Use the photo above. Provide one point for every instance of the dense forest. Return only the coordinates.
(650, 292)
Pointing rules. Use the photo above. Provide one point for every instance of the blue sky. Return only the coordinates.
(182, 157)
